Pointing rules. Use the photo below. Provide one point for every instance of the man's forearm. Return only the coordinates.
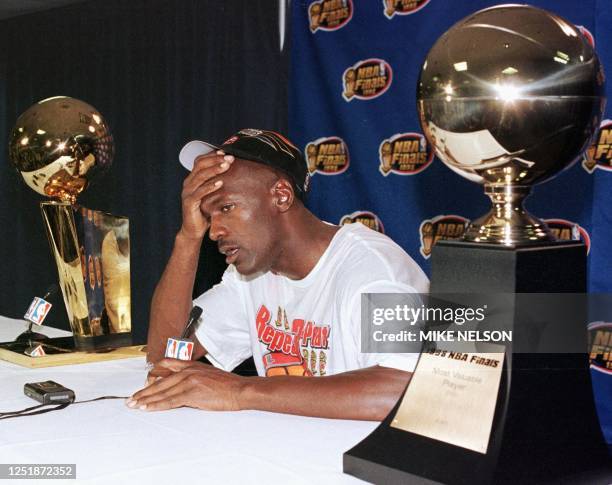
(172, 298)
(365, 394)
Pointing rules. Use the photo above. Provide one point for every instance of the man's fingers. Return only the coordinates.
(193, 183)
(196, 197)
(167, 368)
(151, 378)
(206, 168)
(160, 375)
(173, 397)
(174, 365)
(159, 385)
(207, 160)
(162, 378)
(198, 189)
(161, 405)
(207, 172)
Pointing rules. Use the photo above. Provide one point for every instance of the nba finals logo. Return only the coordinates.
(327, 156)
(404, 154)
(367, 218)
(366, 79)
(599, 154)
(600, 346)
(440, 227)
(402, 7)
(569, 231)
(329, 14)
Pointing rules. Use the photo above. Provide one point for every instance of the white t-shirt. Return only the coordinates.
(310, 326)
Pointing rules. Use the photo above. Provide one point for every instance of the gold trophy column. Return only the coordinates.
(61, 231)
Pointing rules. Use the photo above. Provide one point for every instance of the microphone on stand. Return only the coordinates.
(37, 311)
(182, 347)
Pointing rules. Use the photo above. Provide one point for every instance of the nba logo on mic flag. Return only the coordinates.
(38, 311)
(179, 349)
(35, 351)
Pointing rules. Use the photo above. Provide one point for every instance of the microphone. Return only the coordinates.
(194, 316)
(37, 312)
(51, 291)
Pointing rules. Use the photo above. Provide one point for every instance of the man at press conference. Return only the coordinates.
(290, 296)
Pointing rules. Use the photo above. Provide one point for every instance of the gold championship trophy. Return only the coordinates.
(509, 97)
(59, 145)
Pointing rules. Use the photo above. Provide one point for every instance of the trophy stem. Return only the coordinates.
(63, 240)
(508, 222)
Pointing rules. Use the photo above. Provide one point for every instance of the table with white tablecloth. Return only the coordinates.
(113, 444)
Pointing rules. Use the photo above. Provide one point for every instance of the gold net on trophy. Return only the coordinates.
(59, 145)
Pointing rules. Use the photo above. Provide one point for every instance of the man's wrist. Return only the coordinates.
(184, 238)
(247, 391)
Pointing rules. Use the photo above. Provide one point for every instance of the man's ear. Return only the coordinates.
(283, 195)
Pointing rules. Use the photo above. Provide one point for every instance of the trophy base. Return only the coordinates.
(28, 336)
(66, 351)
(545, 427)
(100, 342)
(508, 223)
(487, 229)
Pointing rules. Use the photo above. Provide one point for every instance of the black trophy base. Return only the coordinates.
(545, 427)
(29, 336)
(64, 351)
(101, 342)
(63, 345)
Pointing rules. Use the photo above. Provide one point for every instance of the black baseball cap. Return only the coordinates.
(262, 146)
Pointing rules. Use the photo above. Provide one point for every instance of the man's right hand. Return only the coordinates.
(199, 184)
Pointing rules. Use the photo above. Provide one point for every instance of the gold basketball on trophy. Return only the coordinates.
(59, 145)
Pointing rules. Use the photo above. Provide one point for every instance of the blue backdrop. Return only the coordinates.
(354, 69)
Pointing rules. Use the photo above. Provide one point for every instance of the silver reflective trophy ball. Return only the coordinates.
(509, 97)
(59, 145)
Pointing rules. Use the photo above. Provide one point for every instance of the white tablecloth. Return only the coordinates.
(112, 444)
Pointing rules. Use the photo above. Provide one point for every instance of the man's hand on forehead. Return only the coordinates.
(201, 182)
(223, 162)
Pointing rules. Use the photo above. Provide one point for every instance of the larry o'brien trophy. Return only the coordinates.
(59, 145)
(509, 97)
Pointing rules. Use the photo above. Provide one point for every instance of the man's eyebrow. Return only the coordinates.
(209, 202)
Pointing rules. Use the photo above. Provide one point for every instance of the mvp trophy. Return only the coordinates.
(508, 97)
(58, 146)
